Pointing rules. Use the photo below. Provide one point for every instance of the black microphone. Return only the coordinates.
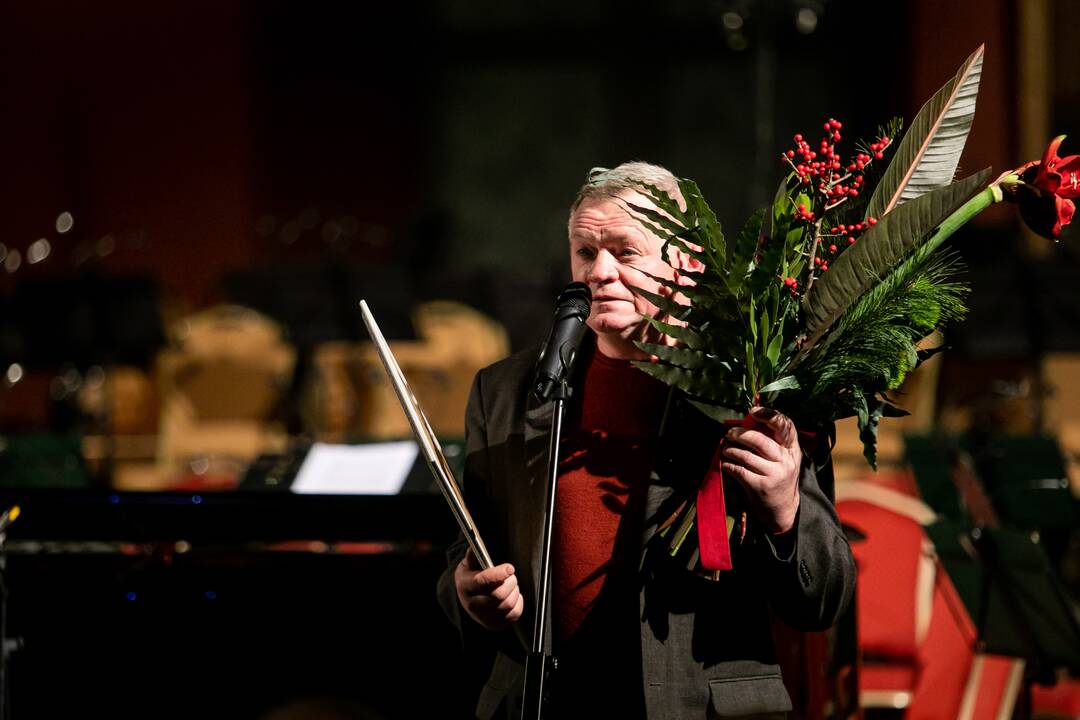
(560, 350)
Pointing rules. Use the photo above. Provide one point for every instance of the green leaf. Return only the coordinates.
(680, 242)
(682, 357)
(751, 369)
(665, 304)
(775, 347)
(719, 413)
(927, 353)
(931, 148)
(742, 258)
(752, 310)
(877, 253)
(705, 219)
(656, 218)
(788, 382)
(665, 202)
(889, 409)
(693, 292)
(682, 334)
(699, 384)
(868, 431)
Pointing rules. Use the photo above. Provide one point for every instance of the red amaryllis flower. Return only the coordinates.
(1046, 191)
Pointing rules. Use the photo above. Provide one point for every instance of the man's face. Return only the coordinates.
(608, 248)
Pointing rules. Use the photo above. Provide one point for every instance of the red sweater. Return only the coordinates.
(607, 455)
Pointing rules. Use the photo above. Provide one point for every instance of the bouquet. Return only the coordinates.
(818, 306)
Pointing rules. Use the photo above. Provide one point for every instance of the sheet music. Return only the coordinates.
(425, 437)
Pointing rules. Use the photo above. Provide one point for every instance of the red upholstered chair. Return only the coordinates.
(916, 637)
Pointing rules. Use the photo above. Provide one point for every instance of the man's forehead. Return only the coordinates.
(609, 212)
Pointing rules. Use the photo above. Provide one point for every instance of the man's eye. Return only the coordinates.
(627, 252)
(584, 253)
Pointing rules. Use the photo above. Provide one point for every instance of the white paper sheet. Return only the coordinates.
(373, 469)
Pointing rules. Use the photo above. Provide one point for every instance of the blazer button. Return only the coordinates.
(804, 574)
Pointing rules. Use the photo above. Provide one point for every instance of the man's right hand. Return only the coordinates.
(491, 597)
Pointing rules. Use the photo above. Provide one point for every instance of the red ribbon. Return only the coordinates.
(711, 511)
(713, 541)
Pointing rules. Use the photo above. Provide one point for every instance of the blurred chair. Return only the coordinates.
(917, 639)
(221, 384)
(1061, 411)
(349, 394)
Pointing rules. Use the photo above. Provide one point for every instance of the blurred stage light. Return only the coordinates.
(12, 261)
(14, 373)
(105, 246)
(732, 20)
(806, 21)
(64, 222)
(38, 251)
(95, 377)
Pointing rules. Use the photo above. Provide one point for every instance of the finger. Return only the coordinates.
(747, 477)
(783, 429)
(517, 611)
(747, 459)
(510, 602)
(483, 582)
(756, 442)
(505, 589)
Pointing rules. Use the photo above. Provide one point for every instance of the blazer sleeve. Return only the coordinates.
(809, 577)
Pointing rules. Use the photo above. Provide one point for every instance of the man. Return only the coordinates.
(637, 633)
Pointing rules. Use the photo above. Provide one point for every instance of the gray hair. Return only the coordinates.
(604, 182)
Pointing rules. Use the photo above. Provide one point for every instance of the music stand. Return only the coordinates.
(428, 442)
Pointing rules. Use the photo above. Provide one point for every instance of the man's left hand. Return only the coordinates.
(766, 460)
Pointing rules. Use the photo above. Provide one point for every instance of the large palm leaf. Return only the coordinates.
(931, 148)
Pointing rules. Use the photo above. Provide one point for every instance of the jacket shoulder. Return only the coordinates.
(510, 372)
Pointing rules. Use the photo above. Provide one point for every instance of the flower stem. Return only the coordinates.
(987, 197)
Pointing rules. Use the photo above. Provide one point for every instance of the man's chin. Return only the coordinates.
(621, 325)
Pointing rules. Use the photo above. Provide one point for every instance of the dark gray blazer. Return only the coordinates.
(706, 646)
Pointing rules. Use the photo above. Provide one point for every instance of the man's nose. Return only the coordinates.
(604, 268)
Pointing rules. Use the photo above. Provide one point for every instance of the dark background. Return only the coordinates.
(297, 156)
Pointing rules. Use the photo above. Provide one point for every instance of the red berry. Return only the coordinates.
(851, 241)
(879, 155)
(872, 221)
(798, 138)
(832, 248)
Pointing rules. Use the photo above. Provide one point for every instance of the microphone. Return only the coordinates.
(560, 350)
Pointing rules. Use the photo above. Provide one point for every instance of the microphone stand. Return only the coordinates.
(538, 664)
